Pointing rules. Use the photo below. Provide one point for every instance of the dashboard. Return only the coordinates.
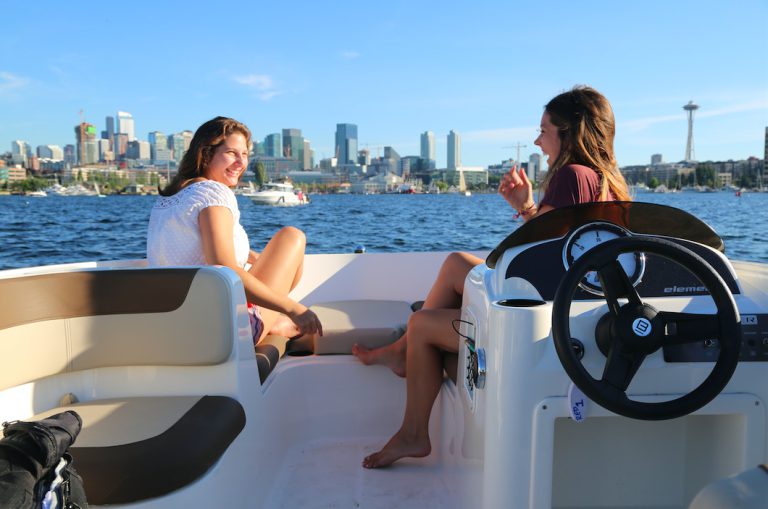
(551, 243)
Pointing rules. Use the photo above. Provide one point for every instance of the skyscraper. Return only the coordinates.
(110, 132)
(454, 150)
(272, 145)
(125, 125)
(85, 134)
(158, 140)
(308, 156)
(534, 167)
(346, 143)
(179, 143)
(428, 149)
(293, 145)
(50, 152)
(19, 152)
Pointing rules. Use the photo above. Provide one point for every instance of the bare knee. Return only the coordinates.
(459, 262)
(456, 267)
(418, 324)
(293, 235)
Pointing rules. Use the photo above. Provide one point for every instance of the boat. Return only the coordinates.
(37, 194)
(610, 355)
(661, 188)
(278, 194)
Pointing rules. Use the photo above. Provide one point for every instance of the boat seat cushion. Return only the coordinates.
(371, 323)
(133, 449)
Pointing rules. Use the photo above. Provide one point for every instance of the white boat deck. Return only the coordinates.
(342, 482)
(320, 453)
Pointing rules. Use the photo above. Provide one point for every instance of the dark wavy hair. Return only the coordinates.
(204, 142)
(586, 127)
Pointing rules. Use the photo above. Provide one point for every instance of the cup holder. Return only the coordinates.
(520, 303)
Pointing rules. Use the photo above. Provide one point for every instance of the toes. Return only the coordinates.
(371, 461)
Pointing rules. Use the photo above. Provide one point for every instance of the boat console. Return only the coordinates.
(612, 356)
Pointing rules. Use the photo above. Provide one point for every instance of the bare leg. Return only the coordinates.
(446, 293)
(279, 266)
(430, 335)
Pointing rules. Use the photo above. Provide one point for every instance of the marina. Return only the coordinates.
(71, 229)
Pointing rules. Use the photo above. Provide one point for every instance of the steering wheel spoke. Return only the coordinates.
(621, 367)
(616, 284)
(682, 328)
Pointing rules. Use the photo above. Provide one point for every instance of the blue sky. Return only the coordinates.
(483, 68)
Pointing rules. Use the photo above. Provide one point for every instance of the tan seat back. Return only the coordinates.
(57, 323)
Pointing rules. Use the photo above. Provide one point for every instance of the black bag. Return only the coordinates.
(35, 468)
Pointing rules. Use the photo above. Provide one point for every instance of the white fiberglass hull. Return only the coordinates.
(275, 198)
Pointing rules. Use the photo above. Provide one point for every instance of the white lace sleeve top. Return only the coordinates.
(173, 237)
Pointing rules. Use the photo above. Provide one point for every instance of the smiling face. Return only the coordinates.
(229, 160)
(549, 139)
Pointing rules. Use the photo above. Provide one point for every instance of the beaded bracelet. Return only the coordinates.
(526, 211)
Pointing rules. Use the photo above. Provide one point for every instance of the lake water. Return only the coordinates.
(61, 229)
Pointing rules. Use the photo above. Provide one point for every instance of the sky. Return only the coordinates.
(484, 69)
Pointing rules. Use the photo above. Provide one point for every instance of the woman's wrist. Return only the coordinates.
(526, 210)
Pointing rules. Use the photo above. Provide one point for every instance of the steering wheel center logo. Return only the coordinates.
(641, 327)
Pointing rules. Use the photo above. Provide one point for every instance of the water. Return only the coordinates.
(63, 229)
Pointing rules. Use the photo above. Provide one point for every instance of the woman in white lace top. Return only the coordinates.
(196, 221)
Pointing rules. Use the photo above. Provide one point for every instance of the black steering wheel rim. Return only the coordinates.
(614, 398)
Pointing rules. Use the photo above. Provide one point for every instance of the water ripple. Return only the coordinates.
(68, 229)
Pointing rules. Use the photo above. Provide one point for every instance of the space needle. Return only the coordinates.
(690, 108)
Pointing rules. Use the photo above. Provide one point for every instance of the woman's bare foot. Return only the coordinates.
(390, 356)
(285, 327)
(398, 447)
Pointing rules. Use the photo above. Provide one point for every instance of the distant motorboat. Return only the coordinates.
(640, 188)
(663, 189)
(37, 194)
(56, 189)
(281, 194)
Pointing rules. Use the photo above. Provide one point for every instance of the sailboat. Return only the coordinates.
(463, 184)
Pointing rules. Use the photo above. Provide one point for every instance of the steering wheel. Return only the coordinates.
(635, 330)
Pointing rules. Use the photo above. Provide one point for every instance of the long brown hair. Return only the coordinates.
(207, 137)
(585, 124)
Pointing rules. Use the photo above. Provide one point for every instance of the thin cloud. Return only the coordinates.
(10, 83)
(349, 55)
(505, 135)
(641, 124)
(263, 84)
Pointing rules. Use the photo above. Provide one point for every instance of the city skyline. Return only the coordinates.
(426, 67)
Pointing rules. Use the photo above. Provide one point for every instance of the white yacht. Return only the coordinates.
(610, 355)
(278, 194)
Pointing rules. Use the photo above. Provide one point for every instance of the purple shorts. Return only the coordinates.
(257, 325)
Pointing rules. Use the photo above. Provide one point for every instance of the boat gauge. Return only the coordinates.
(588, 236)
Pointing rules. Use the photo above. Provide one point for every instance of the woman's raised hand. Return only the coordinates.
(516, 188)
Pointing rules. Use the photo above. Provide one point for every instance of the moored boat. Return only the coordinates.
(600, 355)
(278, 194)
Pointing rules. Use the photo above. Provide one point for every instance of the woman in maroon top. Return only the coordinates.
(577, 131)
